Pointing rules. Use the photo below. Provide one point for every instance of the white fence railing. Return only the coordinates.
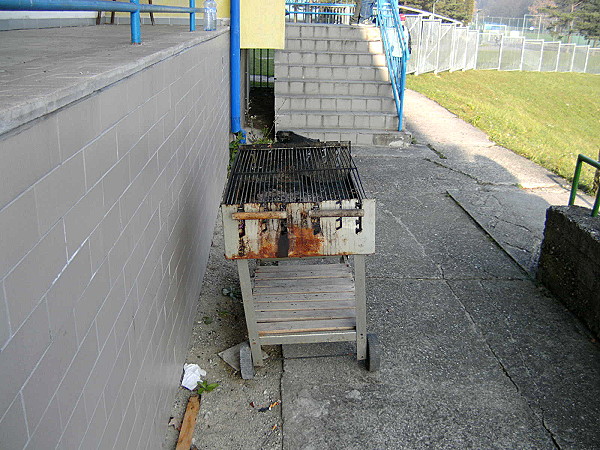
(439, 47)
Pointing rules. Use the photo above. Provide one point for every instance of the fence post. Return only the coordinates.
(587, 56)
(522, 54)
(500, 54)
(437, 52)
(476, 51)
(558, 57)
(541, 56)
(573, 58)
(418, 64)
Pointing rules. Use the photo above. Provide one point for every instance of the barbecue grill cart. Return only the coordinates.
(285, 201)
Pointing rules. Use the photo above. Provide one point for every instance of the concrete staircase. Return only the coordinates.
(332, 83)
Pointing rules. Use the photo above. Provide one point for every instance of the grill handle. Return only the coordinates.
(336, 213)
(316, 213)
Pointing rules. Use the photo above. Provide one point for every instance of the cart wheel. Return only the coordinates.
(246, 366)
(373, 359)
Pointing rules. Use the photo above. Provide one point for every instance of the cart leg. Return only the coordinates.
(361, 307)
(246, 286)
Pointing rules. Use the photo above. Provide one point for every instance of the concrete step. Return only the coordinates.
(348, 120)
(327, 31)
(333, 45)
(302, 102)
(357, 137)
(342, 73)
(330, 58)
(286, 86)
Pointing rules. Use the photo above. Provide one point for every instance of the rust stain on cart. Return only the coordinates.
(305, 242)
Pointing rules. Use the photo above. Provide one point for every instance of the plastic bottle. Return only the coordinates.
(210, 15)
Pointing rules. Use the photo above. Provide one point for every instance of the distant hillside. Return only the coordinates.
(504, 8)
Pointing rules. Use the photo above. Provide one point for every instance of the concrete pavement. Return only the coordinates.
(474, 353)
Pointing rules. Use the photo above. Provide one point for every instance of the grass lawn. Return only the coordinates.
(547, 117)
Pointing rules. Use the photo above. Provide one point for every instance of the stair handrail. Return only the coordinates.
(396, 46)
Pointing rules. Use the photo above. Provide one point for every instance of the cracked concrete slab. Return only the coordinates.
(549, 355)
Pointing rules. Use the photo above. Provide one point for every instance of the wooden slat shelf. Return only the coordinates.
(303, 306)
(305, 314)
(323, 268)
(306, 325)
(309, 274)
(304, 298)
(295, 283)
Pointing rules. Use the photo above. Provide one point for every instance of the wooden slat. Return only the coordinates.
(305, 297)
(261, 215)
(303, 306)
(336, 213)
(306, 325)
(301, 275)
(303, 267)
(288, 290)
(309, 282)
(189, 423)
(305, 314)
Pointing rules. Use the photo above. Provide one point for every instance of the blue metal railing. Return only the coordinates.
(133, 7)
(313, 11)
(395, 43)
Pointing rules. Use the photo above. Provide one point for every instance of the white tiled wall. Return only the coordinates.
(107, 208)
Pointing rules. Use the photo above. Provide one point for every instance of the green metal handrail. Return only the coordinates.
(592, 162)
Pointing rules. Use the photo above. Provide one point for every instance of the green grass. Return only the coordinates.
(547, 117)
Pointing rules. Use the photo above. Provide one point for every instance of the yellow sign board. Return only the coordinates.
(262, 23)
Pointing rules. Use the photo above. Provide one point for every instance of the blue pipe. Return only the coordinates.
(90, 5)
(133, 7)
(235, 63)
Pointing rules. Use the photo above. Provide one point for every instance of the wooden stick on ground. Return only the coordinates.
(189, 423)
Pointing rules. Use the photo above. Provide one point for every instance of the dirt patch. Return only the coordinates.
(230, 416)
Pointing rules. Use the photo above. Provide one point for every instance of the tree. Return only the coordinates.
(570, 16)
(588, 20)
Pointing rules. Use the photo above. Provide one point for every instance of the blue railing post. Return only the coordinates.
(193, 16)
(136, 32)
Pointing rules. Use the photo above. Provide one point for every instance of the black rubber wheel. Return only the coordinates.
(373, 359)
(246, 366)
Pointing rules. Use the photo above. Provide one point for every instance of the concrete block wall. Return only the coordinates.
(569, 264)
(107, 208)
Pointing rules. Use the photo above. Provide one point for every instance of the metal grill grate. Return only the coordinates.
(286, 173)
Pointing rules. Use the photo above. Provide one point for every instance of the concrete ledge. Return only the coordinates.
(81, 61)
(570, 261)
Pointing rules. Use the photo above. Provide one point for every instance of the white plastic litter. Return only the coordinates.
(192, 374)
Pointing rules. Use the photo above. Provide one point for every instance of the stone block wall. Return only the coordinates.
(107, 208)
(569, 263)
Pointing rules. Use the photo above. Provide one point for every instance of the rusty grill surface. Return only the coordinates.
(286, 173)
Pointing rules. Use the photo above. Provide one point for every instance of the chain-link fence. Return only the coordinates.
(439, 47)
